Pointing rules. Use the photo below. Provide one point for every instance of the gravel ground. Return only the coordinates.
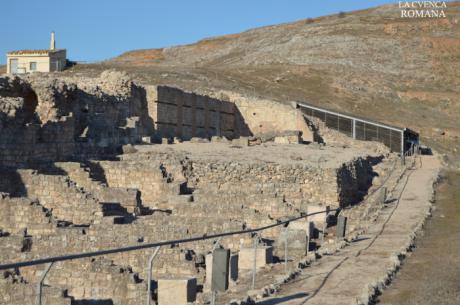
(354, 274)
(302, 155)
(431, 274)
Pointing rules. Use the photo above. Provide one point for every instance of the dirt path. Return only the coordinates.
(353, 274)
(431, 274)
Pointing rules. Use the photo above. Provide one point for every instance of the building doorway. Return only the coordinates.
(13, 66)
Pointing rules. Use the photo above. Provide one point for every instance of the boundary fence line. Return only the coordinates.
(398, 139)
(154, 245)
(49, 261)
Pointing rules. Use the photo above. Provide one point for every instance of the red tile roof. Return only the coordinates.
(34, 52)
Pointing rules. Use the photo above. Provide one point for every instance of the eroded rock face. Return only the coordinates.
(11, 108)
(47, 119)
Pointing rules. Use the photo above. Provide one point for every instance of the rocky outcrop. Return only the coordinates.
(46, 119)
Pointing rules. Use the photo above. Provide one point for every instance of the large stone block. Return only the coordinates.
(232, 267)
(341, 226)
(264, 256)
(179, 291)
(241, 141)
(220, 269)
(289, 137)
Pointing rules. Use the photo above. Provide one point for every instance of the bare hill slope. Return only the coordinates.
(370, 62)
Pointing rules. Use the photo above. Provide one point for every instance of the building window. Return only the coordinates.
(33, 66)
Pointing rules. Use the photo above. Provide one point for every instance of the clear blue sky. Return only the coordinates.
(100, 29)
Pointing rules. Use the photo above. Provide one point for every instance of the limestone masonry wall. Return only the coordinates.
(62, 196)
(298, 185)
(21, 215)
(150, 178)
(45, 119)
(69, 183)
(181, 114)
(177, 113)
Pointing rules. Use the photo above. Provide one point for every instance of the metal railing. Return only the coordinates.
(49, 261)
(395, 138)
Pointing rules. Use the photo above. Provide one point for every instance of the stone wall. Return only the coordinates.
(15, 292)
(62, 196)
(48, 119)
(45, 119)
(298, 185)
(88, 201)
(152, 179)
(266, 117)
(24, 216)
(98, 280)
(80, 173)
(177, 113)
(226, 196)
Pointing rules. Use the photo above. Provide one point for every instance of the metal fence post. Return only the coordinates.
(216, 244)
(310, 232)
(403, 161)
(149, 284)
(256, 240)
(213, 297)
(286, 250)
(40, 283)
(353, 126)
(323, 231)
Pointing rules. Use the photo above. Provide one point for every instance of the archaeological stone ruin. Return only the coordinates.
(90, 164)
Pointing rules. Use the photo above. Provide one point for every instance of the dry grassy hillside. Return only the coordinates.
(370, 62)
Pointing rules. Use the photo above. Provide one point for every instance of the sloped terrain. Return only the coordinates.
(371, 63)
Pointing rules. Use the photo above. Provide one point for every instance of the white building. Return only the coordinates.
(26, 61)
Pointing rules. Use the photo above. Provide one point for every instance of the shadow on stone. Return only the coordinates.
(283, 299)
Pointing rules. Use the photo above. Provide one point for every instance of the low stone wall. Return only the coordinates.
(21, 216)
(61, 195)
(98, 280)
(227, 196)
(14, 292)
(126, 198)
(298, 185)
(150, 178)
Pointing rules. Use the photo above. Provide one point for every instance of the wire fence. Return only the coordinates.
(358, 128)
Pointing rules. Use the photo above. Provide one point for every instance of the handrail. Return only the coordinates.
(351, 117)
(164, 243)
(151, 245)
